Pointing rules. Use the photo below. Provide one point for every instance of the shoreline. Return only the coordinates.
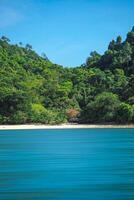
(61, 126)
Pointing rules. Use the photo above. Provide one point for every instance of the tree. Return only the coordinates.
(130, 36)
(5, 39)
(44, 56)
(131, 100)
(28, 47)
(119, 40)
(111, 45)
(124, 113)
(92, 59)
(20, 43)
(72, 115)
(102, 109)
(120, 83)
(33, 89)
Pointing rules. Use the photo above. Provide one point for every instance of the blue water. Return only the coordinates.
(78, 164)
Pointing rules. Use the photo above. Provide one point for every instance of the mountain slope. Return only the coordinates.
(34, 90)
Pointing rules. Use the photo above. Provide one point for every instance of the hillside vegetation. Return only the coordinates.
(34, 90)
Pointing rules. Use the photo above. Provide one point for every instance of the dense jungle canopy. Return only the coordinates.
(34, 90)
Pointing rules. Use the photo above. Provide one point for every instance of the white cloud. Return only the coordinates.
(9, 17)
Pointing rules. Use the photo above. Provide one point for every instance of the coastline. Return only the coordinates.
(61, 126)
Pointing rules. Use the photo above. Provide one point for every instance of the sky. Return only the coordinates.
(66, 30)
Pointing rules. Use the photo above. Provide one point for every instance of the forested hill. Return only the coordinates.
(34, 90)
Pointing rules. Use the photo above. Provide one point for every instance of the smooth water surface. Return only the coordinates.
(80, 164)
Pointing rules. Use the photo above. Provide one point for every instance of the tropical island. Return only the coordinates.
(34, 90)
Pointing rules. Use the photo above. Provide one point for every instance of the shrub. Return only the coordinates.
(102, 109)
(72, 114)
(124, 113)
(39, 114)
(19, 118)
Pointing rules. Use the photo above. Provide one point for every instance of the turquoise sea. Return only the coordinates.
(68, 164)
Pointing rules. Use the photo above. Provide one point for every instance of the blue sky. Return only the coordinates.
(66, 30)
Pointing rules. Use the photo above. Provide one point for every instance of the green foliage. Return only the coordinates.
(19, 118)
(34, 90)
(130, 36)
(131, 100)
(93, 59)
(39, 114)
(101, 109)
(124, 113)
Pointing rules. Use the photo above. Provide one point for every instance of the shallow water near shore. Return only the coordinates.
(67, 164)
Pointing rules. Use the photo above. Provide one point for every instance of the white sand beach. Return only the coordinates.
(61, 126)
